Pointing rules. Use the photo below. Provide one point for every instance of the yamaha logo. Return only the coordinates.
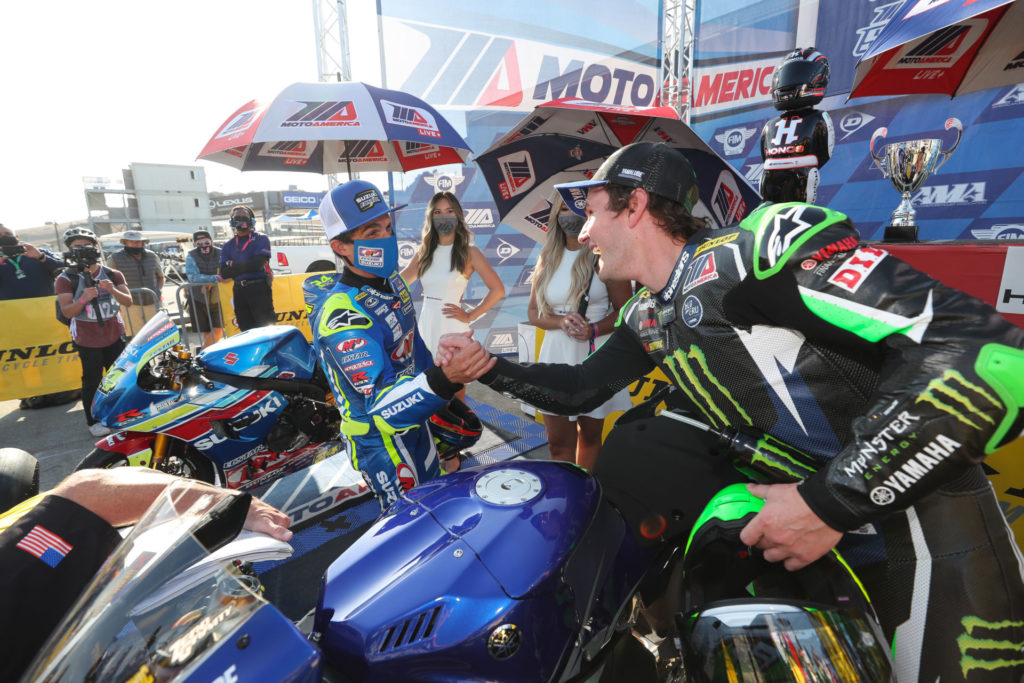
(504, 641)
(882, 495)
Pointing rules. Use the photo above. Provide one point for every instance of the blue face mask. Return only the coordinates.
(378, 257)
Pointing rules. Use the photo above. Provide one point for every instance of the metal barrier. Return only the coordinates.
(200, 302)
(145, 304)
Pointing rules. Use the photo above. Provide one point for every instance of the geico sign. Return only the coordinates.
(733, 85)
(301, 199)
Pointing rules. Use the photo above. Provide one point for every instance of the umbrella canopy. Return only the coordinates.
(333, 128)
(566, 140)
(946, 48)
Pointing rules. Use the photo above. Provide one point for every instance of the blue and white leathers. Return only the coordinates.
(382, 375)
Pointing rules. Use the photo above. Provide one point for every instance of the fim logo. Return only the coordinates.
(990, 645)
(442, 182)
(411, 117)
(734, 140)
(502, 340)
(517, 171)
(1000, 231)
(321, 114)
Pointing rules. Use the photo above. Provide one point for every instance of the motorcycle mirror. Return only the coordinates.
(223, 522)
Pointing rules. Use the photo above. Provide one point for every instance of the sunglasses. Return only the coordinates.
(204, 243)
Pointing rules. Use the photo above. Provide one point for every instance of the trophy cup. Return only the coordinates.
(909, 164)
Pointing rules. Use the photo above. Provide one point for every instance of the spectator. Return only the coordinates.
(89, 294)
(83, 511)
(142, 270)
(444, 263)
(244, 259)
(201, 267)
(579, 312)
(26, 273)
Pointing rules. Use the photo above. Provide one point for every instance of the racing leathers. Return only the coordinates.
(794, 147)
(382, 376)
(894, 385)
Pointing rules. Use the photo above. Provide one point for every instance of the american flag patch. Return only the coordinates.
(44, 544)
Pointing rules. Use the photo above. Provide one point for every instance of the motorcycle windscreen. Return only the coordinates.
(154, 612)
(758, 641)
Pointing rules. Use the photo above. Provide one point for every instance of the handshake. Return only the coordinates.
(462, 358)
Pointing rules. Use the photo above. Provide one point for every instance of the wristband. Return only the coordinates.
(593, 329)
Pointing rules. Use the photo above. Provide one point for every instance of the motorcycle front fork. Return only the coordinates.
(160, 442)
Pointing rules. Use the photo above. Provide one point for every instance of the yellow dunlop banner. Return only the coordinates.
(36, 353)
(288, 303)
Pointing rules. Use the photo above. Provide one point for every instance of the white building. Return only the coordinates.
(152, 197)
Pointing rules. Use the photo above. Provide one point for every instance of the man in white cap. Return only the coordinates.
(142, 270)
(364, 330)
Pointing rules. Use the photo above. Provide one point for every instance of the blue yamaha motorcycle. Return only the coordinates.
(519, 571)
(240, 413)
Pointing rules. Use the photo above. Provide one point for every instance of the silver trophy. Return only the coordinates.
(908, 164)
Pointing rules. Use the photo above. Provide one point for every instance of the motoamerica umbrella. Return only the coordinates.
(567, 139)
(335, 127)
(946, 48)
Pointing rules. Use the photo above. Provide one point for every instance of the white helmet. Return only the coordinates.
(74, 233)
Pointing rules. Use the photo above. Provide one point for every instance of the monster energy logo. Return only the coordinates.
(948, 394)
(690, 371)
(780, 457)
(1002, 652)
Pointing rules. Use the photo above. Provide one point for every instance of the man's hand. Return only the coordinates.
(786, 529)
(32, 252)
(448, 344)
(467, 362)
(88, 294)
(268, 519)
(106, 285)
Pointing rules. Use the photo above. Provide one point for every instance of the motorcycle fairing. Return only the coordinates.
(282, 350)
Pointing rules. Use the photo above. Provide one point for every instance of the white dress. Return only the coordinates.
(440, 286)
(558, 347)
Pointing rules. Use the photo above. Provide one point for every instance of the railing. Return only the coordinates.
(199, 312)
(145, 304)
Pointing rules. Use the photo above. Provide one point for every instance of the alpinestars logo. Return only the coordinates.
(954, 394)
(412, 117)
(990, 645)
(318, 114)
(518, 174)
(787, 226)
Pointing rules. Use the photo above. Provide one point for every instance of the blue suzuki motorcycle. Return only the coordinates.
(518, 571)
(240, 413)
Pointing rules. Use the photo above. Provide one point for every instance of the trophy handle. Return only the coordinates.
(881, 133)
(951, 122)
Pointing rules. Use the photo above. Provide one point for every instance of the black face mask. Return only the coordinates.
(241, 223)
(571, 224)
(135, 251)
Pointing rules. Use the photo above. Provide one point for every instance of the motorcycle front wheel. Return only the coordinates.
(188, 464)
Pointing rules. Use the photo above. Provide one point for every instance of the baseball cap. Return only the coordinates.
(351, 205)
(133, 235)
(654, 166)
(198, 234)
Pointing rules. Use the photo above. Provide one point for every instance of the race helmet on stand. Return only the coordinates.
(749, 619)
(801, 79)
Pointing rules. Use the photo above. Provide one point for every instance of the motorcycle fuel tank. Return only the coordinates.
(279, 351)
(492, 573)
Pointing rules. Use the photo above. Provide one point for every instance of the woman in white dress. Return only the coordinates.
(564, 271)
(444, 263)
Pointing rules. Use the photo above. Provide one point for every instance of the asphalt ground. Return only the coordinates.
(58, 438)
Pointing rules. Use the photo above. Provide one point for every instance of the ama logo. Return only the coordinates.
(518, 174)
(321, 114)
(411, 117)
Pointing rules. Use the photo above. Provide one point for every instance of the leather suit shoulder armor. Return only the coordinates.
(793, 232)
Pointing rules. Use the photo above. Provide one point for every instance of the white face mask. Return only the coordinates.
(445, 225)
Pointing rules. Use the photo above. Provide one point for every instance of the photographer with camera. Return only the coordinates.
(90, 294)
(25, 271)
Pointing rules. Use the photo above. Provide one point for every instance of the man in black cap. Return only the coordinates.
(244, 259)
(877, 387)
(201, 266)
